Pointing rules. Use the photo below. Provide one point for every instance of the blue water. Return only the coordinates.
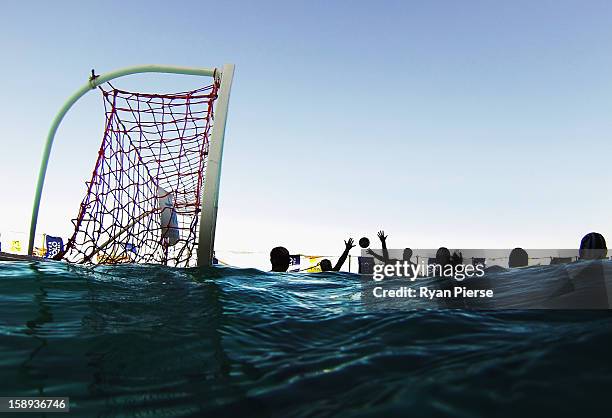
(156, 341)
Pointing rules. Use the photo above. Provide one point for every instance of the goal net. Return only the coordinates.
(144, 199)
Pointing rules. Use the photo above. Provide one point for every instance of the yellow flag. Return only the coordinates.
(314, 264)
(16, 246)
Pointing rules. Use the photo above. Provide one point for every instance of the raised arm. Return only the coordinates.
(347, 247)
(383, 241)
(376, 256)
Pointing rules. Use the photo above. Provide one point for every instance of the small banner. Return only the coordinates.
(131, 248)
(16, 246)
(294, 260)
(314, 264)
(54, 245)
(366, 265)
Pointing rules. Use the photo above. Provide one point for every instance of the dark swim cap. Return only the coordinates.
(326, 265)
(443, 256)
(518, 258)
(593, 246)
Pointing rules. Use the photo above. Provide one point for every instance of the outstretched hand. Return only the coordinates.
(369, 251)
(382, 236)
(349, 244)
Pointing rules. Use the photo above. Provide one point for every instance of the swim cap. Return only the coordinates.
(593, 246)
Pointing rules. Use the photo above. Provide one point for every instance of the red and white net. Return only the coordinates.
(143, 201)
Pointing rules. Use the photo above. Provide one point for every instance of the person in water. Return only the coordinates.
(518, 258)
(593, 247)
(279, 258)
(406, 256)
(585, 287)
(443, 256)
(326, 265)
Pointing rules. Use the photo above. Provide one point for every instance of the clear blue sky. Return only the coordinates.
(457, 123)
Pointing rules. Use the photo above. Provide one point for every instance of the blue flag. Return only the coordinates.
(131, 248)
(294, 260)
(54, 245)
(366, 265)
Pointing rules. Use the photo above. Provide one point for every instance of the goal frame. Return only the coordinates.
(212, 172)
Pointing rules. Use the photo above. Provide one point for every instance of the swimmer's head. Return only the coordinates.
(443, 256)
(326, 265)
(518, 258)
(279, 257)
(593, 247)
(407, 254)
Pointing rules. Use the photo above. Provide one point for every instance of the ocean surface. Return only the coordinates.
(137, 341)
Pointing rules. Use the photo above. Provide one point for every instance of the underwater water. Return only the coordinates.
(157, 341)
